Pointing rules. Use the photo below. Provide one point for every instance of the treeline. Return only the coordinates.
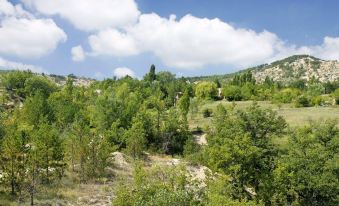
(244, 87)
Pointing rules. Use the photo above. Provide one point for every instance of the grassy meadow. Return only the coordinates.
(295, 117)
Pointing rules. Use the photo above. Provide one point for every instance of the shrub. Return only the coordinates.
(318, 101)
(336, 96)
(206, 90)
(232, 93)
(207, 113)
(302, 101)
(286, 95)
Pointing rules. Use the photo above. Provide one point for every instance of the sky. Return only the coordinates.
(106, 38)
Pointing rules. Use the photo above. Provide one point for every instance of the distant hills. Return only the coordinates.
(291, 68)
(295, 67)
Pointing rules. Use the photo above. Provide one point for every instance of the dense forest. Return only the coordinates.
(50, 132)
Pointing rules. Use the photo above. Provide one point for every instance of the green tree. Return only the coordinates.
(15, 81)
(37, 84)
(35, 109)
(241, 146)
(78, 145)
(232, 93)
(49, 149)
(184, 104)
(308, 173)
(159, 187)
(136, 141)
(12, 151)
(206, 90)
(336, 96)
(150, 76)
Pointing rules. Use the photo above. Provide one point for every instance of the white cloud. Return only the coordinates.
(123, 71)
(23, 35)
(8, 9)
(193, 42)
(112, 42)
(10, 65)
(90, 15)
(78, 53)
(328, 50)
(29, 37)
(190, 42)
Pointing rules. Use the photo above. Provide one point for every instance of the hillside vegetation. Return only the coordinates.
(129, 142)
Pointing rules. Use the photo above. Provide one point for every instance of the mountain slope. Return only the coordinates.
(291, 68)
(298, 67)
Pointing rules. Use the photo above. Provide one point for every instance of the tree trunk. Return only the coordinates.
(32, 199)
(73, 156)
(12, 178)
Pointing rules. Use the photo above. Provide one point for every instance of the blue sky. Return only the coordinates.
(246, 33)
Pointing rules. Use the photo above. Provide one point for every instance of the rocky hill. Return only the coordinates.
(298, 67)
(288, 69)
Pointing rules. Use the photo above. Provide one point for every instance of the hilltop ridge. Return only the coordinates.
(288, 69)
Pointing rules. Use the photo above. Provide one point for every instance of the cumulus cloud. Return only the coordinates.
(118, 29)
(328, 50)
(23, 35)
(114, 43)
(123, 71)
(11, 65)
(90, 15)
(8, 9)
(29, 37)
(187, 43)
(78, 53)
(193, 42)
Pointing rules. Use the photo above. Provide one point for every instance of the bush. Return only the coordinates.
(286, 95)
(157, 186)
(302, 101)
(207, 113)
(336, 96)
(206, 90)
(318, 101)
(232, 93)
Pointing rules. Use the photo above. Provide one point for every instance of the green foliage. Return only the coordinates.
(302, 101)
(35, 109)
(243, 79)
(37, 84)
(308, 173)
(151, 76)
(184, 104)
(315, 89)
(206, 90)
(72, 131)
(159, 187)
(15, 80)
(219, 192)
(232, 93)
(207, 113)
(174, 133)
(135, 139)
(336, 96)
(240, 146)
(286, 95)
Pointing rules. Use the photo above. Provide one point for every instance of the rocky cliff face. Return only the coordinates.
(298, 67)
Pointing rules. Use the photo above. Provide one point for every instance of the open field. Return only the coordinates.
(293, 116)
